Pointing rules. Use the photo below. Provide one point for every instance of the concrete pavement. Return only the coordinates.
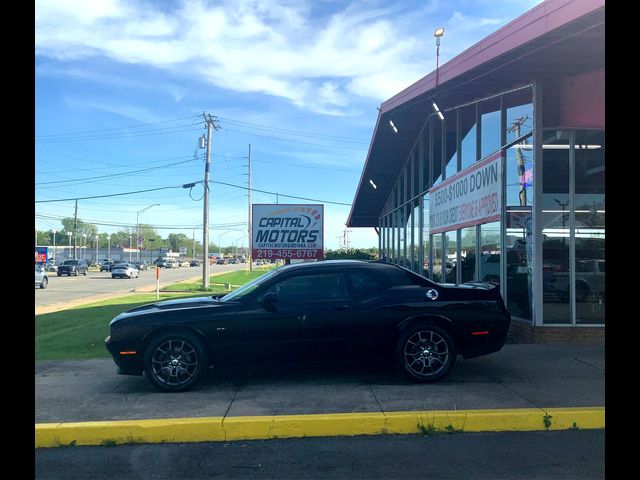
(522, 387)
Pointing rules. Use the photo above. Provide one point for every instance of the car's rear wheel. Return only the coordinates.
(44, 283)
(425, 353)
(175, 361)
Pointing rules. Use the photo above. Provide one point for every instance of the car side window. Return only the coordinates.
(306, 288)
(364, 282)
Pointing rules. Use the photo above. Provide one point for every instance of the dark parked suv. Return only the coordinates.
(73, 267)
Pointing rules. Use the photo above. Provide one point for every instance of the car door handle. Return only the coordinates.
(341, 307)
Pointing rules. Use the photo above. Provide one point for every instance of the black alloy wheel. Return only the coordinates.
(425, 353)
(175, 361)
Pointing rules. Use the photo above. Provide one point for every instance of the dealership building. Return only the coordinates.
(492, 168)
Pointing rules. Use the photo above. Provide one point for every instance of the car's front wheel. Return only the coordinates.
(425, 353)
(44, 283)
(175, 362)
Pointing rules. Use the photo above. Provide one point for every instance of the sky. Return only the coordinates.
(122, 89)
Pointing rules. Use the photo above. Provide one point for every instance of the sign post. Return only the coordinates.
(157, 282)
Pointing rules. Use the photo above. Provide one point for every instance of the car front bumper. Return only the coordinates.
(128, 363)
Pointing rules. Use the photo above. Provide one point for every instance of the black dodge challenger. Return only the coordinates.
(314, 311)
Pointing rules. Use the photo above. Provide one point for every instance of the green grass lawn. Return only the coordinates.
(218, 283)
(78, 333)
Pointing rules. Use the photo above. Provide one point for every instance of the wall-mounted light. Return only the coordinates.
(437, 110)
(563, 146)
(393, 126)
(375, 187)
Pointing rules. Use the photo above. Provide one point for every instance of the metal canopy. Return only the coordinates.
(556, 39)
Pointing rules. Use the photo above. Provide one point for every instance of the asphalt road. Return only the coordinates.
(565, 454)
(95, 284)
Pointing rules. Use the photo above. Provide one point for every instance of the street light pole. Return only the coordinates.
(129, 248)
(69, 233)
(54, 231)
(109, 247)
(138, 229)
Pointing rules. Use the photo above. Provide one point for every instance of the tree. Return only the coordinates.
(352, 253)
(177, 240)
(83, 227)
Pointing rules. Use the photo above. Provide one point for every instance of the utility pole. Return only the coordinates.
(249, 217)
(193, 249)
(75, 231)
(211, 124)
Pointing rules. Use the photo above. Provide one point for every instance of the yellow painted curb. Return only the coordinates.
(211, 429)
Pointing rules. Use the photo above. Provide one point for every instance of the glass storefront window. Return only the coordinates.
(555, 228)
(519, 261)
(490, 252)
(489, 127)
(589, 227)
(415, 216)
(468, 254)
(436, 241)
(519, 174)
(468, 144)
(451, 257)
(519, 114)
(425, 236)
(450, 142)
(435, 150)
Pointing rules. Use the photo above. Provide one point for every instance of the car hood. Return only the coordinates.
(182, 303)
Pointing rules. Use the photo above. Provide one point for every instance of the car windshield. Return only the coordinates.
(248, 287)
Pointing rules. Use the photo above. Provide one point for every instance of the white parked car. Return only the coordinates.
(124, 270)
(42, 280)
(185, 263)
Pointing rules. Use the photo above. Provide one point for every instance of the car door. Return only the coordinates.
(296, 318)
(320, 303)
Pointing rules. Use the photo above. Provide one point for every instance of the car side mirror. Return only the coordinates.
(269, 301)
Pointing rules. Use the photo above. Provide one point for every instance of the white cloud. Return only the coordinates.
(276, 47)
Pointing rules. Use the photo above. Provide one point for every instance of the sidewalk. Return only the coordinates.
(522, 387)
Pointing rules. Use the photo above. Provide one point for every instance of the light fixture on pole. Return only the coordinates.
(437, 110)
(439, 32)
(138, 229)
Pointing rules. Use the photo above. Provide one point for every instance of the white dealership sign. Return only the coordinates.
(471, 197)
(287, 231)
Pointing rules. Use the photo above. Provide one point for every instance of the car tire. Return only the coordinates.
(175, 361)
(44, 283)
(425, 353)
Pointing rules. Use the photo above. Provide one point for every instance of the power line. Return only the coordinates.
(44, 218)
(112, 136)
(298, 133)
(104, 196)
(114, 175)
(282, 194)
(82, 132)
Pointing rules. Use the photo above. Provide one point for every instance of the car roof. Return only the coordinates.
(337, 263)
